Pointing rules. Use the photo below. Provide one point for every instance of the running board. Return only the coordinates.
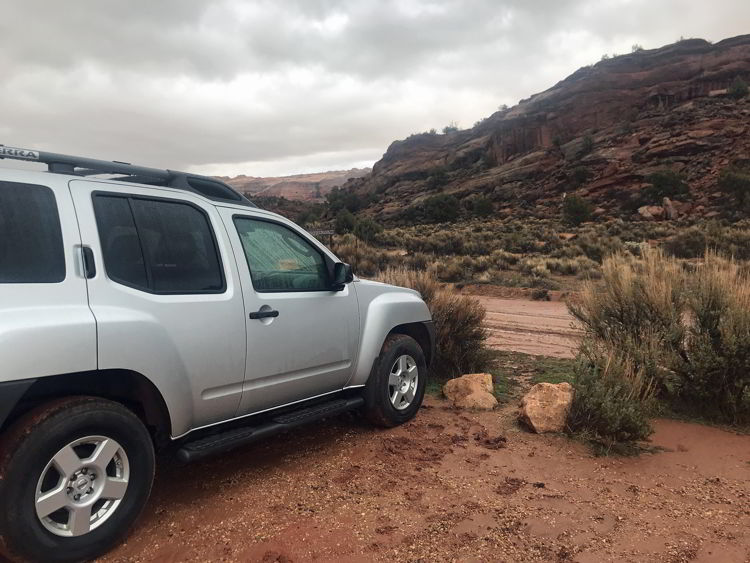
(231, 439)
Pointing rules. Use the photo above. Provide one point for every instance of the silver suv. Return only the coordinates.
(145, 309)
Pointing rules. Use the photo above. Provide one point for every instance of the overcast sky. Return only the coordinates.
(287, 86)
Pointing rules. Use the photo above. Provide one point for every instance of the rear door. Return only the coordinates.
(165, 296)
(46, 327)
(308, 347)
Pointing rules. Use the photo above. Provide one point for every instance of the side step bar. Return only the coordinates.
(226, 441)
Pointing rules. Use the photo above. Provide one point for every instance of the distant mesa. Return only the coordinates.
(301, 187)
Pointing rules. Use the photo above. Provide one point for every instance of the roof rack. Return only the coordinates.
(206, 186)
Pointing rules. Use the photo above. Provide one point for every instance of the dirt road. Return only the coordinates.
(543, 328)
(453, 486)
(457, 486)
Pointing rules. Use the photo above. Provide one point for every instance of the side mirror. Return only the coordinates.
(342, 275)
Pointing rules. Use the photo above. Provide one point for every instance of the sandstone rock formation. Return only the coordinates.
(599, 133)
(471, 391)
(546, 406)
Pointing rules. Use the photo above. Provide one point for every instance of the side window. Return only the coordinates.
(31, 246)
(123, 258)
(157, 245)
(279, 259)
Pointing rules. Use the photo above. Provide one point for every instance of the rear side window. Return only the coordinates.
(159, 246)
(31, 246)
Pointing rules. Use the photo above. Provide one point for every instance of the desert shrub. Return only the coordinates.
(450, 270)
(664, 183)
(576, 210)
(683, 333)
(587, 145)
(540, 294)
(637, 297)
(737, 89)
(345, 222)
(366, 229)
(441, 208)
(689, 243)
(715, 376)
(480, 206)
(452, 127)
(612, 400)
(580, 176)
(598, 247)
(460, 346)
(735, 180)
(339, 199)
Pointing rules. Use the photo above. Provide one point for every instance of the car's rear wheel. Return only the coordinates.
(395, 389)
(77, 473)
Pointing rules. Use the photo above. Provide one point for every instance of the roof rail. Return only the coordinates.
(206, 186)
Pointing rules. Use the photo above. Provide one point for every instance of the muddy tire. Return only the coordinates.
(74, 475)
(396, 385)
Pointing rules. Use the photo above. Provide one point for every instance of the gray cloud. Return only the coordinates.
(270, 87)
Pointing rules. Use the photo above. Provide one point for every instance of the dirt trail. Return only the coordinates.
(542, 328)
(445, 488)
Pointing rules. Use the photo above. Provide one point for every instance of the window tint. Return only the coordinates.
(123, 258)
(279, 259)
(31, 247)
(161, 246)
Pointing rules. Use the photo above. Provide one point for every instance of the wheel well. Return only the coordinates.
(129, 388)
(419, 333)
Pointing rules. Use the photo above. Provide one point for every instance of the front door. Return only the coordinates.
(302, 338)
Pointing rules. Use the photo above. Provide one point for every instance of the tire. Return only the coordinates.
(380, 407)
(110, 447)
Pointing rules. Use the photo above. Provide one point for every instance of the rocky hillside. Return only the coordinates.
(304, 187)
(599, 134)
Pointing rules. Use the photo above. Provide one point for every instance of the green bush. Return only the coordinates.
(609, 404)
(580, 176)
(690, 243)
(738, 89)
(664, 183)
(441, 208)
(735, 180)
(366, 229)
(587, 145)
(460, 334)
(480, 206)
(681, 335)
(714, 378)
(344, 223)
(576, 210)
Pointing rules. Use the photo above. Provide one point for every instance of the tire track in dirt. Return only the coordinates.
(543, 328)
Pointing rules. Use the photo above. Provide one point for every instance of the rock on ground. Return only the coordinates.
(471, 391)
(546, 406)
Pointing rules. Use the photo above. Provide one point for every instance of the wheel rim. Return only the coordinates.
(82, 486)
(403, 381)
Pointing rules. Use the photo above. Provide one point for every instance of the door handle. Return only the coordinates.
(89, 267)
(268, 313)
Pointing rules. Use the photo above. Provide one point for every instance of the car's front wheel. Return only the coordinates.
(395, 389)
(76, 474)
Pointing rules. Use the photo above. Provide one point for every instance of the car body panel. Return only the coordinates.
(47, 328)
(190, 346)
(383, 307)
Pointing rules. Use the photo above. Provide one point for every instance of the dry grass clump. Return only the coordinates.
(460, 346)
(656, 330)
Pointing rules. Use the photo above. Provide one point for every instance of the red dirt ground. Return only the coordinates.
(446, 488)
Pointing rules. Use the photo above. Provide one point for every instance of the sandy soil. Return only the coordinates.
(453, 486)
(542, 328)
